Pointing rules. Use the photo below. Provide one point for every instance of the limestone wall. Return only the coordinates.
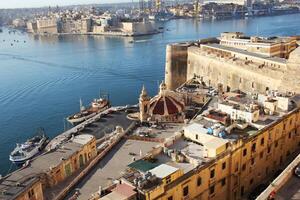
(233, 75)
(138, 27)
(176, 65)
(232, 71)
(291, 78)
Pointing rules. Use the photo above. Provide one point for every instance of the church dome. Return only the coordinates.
(166, 103)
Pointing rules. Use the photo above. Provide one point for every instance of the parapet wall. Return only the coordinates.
(231, 74)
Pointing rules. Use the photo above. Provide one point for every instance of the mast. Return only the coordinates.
(80, 104)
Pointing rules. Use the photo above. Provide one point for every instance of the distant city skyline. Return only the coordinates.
(44, 3)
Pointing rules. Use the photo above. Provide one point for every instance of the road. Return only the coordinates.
(290, 191)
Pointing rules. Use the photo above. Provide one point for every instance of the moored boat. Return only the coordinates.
(97, 106)
(29, 149)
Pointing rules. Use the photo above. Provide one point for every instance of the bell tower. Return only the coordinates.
(144, 104)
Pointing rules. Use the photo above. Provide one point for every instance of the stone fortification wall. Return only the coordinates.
(138, 27)
(291, 78)
(176, 65)
(232, 71)
(232, 74)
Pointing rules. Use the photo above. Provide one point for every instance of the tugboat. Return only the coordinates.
(29, 149)
(97, 106)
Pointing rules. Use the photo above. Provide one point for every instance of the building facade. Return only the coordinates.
(238, 168)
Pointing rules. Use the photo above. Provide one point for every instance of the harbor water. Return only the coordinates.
(42, 78)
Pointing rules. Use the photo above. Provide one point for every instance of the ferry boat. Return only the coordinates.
(97, 106)
(29, 149)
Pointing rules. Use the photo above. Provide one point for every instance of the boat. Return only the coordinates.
(29, 149)
(97, 106)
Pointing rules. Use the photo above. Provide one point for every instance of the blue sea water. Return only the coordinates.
(43, 78)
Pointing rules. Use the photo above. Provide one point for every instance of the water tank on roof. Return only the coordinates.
(222, 134)
(210, 131)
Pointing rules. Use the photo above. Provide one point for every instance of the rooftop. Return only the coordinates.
(113, 165)
(40, 165)
(163, 170)
(244, 52)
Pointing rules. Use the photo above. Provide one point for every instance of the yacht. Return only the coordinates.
(29, 149)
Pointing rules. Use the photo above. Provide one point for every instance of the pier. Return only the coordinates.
(108, 128)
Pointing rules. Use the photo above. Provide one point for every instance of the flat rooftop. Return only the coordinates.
(40, 165)
(112, 166)
(240, 51)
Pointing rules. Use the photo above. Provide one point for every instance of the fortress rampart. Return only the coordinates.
(234, 68)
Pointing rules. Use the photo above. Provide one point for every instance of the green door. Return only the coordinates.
(68, 169)
(81, 162)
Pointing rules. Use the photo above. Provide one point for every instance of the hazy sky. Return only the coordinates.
(41, 3)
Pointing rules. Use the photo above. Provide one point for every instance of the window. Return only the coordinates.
(170, 198)
(262, 141)
(244, 152)
(185, 191)
(223, 165)
(252, 161)
(253, 148)
(199, 181)
(269, 149)
(31, 194)
(251, 181)
(261, 155)
(290, 134)
(168, 179)
(223, 181)
(242, 191)
(276, 144)
(284, 127)
(212, 173)
(244, 167)
(212, 189)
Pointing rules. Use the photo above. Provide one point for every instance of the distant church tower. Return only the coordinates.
(144, 105)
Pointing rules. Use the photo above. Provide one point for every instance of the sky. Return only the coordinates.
(42, 3)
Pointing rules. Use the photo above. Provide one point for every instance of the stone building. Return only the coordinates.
(235, 67)
(45, 172)
(167, 106)
(47, 25)
(271, 47)
(225, 161)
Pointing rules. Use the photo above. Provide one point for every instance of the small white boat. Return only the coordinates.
(29, 149)
(97, 106)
